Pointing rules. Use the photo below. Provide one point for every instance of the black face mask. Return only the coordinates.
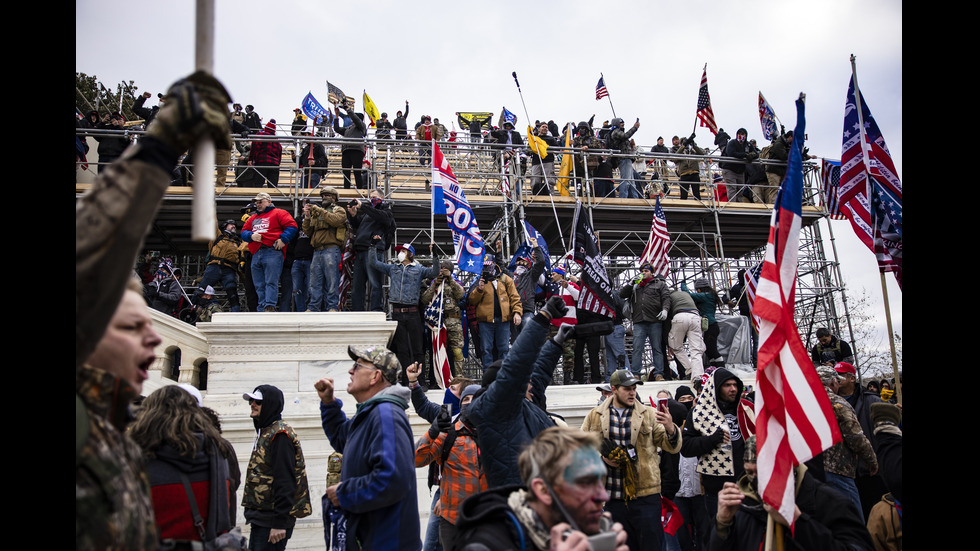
(688, 405)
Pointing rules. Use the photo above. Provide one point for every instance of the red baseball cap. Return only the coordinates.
(844, 367)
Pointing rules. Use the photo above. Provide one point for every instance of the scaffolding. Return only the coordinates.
(710, 237)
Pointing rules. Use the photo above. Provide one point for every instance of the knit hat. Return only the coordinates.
(469, 391)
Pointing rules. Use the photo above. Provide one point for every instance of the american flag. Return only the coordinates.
(433, 319)
(600, 89)
(870, 190)
(830, 170)
(794, 418)
(658, 244)
(346, 268)
(705, 114)
(335, 94)
(751, 284)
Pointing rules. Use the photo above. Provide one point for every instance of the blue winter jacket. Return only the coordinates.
(505, 421)
(378, 489)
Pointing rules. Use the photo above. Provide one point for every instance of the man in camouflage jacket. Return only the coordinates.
(276, 492)
(112, 497)
(840, 461)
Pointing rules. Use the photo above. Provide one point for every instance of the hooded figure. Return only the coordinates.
(720, 412)
(276, 492)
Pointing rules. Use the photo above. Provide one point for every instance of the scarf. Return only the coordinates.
(539, 533)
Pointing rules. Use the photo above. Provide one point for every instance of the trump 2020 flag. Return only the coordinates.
(433, 318)
(526, 248)
(596, 293)
(768, 119)
(794, 418)
(510, 117)
(448, 198)
(312, 108)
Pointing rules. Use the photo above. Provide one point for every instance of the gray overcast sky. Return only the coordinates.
(447, 56)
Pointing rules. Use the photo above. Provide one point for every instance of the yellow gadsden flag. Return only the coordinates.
(538, 146)
(370, 109)
(566, 164)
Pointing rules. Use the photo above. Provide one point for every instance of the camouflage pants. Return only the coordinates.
(454, 343)
(567, 354)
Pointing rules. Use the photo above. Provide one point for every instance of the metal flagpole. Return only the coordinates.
(551, 196)
(608, 95)
(432, 210)
(203, 219)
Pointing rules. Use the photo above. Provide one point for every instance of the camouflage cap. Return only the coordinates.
(381, 357)
(827, 374)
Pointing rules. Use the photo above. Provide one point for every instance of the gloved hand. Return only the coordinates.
(195, 106)
(662, 315)
(565, 332)
(441, 423)
(555, 308)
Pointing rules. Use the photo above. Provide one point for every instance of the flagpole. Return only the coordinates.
(203, 219)
(432, 210)
(695, 128)
(608, 95)
(865, 156)
(547, 184)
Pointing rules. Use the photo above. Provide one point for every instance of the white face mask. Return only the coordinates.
(402, 256)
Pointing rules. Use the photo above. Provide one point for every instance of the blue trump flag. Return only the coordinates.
(768, 119)
(312, 108)
(510, 117)
(448, 199)
(526, 248)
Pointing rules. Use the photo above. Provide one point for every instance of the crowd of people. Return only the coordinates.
(511, 474)
(606, 157)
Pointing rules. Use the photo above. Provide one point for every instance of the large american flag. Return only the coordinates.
(870, 190)
(830, 171)
(433, 319)
(658, 244)
(705, 114)
(794, 418)
(600, 89)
